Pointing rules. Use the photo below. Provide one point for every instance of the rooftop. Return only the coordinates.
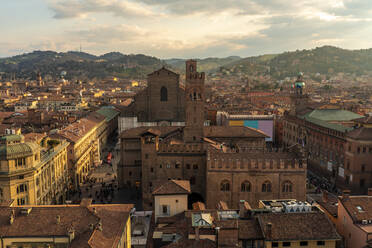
(173, 187)
(297, 226)
(81, 219)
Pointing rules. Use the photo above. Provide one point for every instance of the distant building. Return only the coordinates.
(338, 142)
(70, 226)
(31, 174)
(226, 163)
(161, 103)
(264, 123)
(354, 221)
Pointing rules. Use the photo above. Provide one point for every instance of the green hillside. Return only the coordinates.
(325, 60)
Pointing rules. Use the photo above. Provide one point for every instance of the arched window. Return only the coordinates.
(191, 68)
(245, 187)
(225, 186)
(163, 94)
(266, 187)
(287, 187)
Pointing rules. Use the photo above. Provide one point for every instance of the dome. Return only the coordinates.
(12, 147)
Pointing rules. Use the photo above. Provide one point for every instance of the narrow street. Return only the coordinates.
(102, 185)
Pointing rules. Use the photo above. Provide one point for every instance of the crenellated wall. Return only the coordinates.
(181, 148)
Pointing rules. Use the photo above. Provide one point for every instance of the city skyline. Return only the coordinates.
(169, 29)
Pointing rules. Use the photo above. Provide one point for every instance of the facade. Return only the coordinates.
(84, 136)
(62, 226)
(354, 221)
(152, 155)
(161, 103)
(338, 142)
(170, 198)
(33, 174)
(254, 176)
(264, 123)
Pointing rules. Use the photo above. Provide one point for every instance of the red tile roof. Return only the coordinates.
(173, 187)
(358, 207)
(297, 226)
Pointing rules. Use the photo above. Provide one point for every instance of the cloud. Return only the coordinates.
(81, 8)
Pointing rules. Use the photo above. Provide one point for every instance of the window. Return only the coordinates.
(303, 243)
(146, 156)
(195, 166)
(22, 188)
(150, 184)
(266, 187)
(361, 183)
(192, 180)
(287, 187)
(363, 167)
(21, 201)
(163, 94)
(168, 166)
(245, 187)
(364, 149)
(188, 166)
(225, 186)
(21, 162)
(130, 173)
(160, 166)
(274, 244)
(320, 243)
(286, 244)
(177, 165)
(358, 150)
(1, 193)
(165, 210)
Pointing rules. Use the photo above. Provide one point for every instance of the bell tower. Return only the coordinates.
(194, 93)
(299, 97)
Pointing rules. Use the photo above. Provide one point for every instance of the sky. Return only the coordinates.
(183, 28)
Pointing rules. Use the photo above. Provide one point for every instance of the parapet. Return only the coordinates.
(255, 161)
(181, 148)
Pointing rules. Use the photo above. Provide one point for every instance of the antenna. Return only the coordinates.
(80, 47)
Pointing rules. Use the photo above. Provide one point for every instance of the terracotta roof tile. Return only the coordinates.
(298, 226)
(172, 187)
(358, 207)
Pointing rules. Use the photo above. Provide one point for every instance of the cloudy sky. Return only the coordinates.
(183, 28)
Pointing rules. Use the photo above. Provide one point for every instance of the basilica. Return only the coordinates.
(222, 163)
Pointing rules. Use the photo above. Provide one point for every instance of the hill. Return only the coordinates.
(79, 65)
(207, 65)
(325, 60)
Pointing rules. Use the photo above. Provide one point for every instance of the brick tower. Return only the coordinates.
(194, 130)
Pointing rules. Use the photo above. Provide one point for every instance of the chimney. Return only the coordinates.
(369, 191)
(325, 195)
(58, 219)
(269, 229)
(345, 194)
(244, 209)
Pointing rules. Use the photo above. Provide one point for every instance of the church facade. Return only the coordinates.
(221, 163)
